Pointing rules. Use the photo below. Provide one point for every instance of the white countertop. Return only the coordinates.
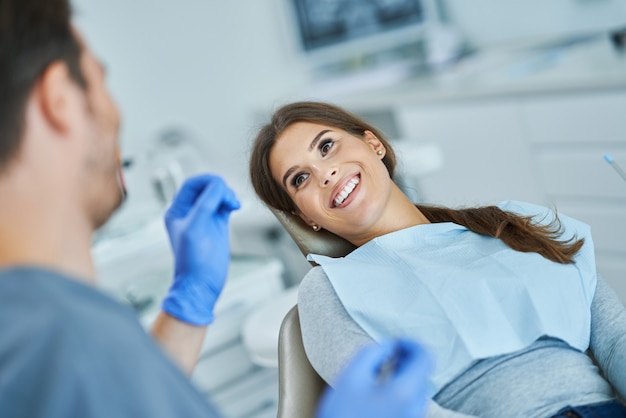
(587, 65)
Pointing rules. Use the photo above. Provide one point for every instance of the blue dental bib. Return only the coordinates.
(466, 296)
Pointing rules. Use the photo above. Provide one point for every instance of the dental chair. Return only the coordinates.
(309, 241)
(299, 385)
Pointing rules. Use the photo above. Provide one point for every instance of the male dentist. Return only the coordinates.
(66, 349)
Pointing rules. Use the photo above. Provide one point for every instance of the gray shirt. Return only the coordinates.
(68, 350)
(534, 382)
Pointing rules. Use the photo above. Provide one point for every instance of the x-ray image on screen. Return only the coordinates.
(328, 22)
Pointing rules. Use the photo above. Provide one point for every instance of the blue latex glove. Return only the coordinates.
(197, 224)
(372, 387)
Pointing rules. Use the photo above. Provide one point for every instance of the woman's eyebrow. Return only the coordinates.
(317, 139)
(288, 173)
(311, 148)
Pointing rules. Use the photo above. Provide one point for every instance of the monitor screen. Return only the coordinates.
(326, 23)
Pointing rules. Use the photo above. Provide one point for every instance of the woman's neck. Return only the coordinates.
(400, 213)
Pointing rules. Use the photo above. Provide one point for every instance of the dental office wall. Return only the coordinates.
(209, 66)
(203, 66)
(217, 69)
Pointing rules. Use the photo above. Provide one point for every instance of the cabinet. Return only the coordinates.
(137, 269)
(485, 158)
(568, 136)
(542, 148)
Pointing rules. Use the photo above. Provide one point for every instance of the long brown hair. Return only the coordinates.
(520, 233)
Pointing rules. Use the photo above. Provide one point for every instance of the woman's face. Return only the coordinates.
(338, 181)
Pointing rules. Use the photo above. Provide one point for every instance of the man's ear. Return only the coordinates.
(57, 93)
(373, 141)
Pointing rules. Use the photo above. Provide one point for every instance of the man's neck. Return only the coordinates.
(48, 236)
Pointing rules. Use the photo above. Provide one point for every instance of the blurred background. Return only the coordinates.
(485, 100)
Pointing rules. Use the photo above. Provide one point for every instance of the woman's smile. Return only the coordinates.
(345, 191)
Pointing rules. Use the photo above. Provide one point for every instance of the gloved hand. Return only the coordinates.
(197, 224)
(372, 387)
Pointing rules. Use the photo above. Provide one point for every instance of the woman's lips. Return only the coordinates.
(344, 190)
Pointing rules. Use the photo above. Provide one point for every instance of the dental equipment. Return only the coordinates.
(390, 365)
(617, 168)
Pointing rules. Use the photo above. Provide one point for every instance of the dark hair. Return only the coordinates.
(520, 233)
(33, 34)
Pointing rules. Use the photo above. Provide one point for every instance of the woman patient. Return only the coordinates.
(506, 296)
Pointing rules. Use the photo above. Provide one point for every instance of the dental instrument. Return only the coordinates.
(390, 365)
(616, 166)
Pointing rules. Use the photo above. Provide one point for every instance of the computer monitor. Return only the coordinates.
(344, 34)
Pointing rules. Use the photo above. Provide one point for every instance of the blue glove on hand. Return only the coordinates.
(386, 380)
(197, 224)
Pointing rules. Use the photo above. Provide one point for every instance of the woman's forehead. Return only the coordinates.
(300, 130)
(292, 143)
(295, 139)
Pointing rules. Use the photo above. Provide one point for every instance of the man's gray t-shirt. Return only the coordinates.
(68, 350)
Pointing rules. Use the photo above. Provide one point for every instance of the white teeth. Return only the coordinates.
(346, 191)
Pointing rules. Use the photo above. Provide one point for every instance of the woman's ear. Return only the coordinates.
(297, 214)
(306, 219)
(375, 143)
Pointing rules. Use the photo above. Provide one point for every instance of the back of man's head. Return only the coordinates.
(33, 34)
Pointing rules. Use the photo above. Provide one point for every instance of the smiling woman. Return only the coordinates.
(506, 296)
(305, 156)
(329, 178)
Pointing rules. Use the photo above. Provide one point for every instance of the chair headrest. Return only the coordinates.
(308, 241)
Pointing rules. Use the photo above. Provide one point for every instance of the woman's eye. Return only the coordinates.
(326, 146)
(298, 179)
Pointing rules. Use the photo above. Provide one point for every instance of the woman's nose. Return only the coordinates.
(328, 178)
